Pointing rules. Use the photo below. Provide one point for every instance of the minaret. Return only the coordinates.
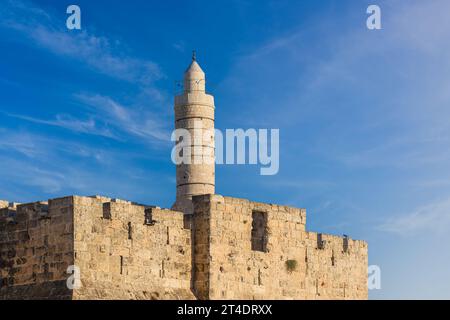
(194, 111)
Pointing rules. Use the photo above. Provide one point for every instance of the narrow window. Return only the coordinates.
(168, 241)
(345, 243)
(321, 244)
(107, 210)
(259, 278)
(259, 231)
(149, 217)
(317, 288)
(162, 271)
(44, 212)
(130, 231)
(121, 264)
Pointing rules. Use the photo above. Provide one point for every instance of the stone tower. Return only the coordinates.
(194, 112)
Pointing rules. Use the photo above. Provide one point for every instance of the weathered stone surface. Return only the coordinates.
(127, 256)
(137, 252)
(54, 290)
(292, 265)
(36, 246)
(4, 204)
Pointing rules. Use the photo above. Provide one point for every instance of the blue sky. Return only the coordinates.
(363, 115)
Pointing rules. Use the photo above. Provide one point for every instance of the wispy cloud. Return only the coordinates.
(22, 142)
(32, 175)
(380, 98)
(135, 121)
(179, 46)
(68, 122)
(42, 148)
(104, 116)
(41, 162)
(430, 218)
(403, 152)
(98, 52)
(109, 118)
(34, 164)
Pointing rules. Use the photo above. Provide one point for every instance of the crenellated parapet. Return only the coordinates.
(36, 246)
(263, 251)
(4, 204)
(229, 248)
(122, 250)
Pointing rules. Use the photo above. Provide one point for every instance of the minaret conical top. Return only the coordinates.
(194, 77)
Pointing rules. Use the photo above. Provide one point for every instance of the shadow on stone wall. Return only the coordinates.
(55, 290)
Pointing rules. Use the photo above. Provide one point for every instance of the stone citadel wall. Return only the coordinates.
(228, 249)
(281, 260)
(129, 251)
(36, 246)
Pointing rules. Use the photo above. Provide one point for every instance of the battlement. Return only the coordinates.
(4, 204)
(8, 209)
(236, 206)
(145, 249)
(229, 248)
(250, 242)
(36, 247)
(130, 251)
